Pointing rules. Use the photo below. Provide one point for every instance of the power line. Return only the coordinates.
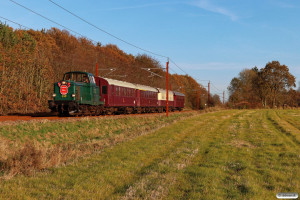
(91, 25)
(104, 31)
(49, 19)
(178, 66)
(15, 22)
(216, 87)
(76, 31)
(114, 35)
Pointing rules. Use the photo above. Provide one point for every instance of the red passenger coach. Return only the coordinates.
(124, 97)
(147, 98)
(118, 96)
(178, 100)
(162, 99)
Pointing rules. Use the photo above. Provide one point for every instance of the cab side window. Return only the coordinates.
(85, 78)
(104, 89)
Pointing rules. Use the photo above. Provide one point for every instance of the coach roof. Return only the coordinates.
(130, 85)
(120, 83)
(146, 88)
(178, 93)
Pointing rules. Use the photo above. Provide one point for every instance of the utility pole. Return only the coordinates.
(198, 100)
(168, 88)
(223, 97)
(208, 94)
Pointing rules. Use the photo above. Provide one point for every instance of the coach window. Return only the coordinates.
(104, 89)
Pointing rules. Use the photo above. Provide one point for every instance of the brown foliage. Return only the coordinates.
(269, 86)
(31, 61)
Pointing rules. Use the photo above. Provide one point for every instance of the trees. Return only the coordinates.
(242, 88)
(298, 94)
(271, 85)
(276, 80)
(31, 61)
(215, 100)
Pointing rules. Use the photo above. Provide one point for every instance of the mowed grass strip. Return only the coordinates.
(290, 116)
(251, 159)
(284, 126)
(156, 183)
(234, 154)
(113, 172)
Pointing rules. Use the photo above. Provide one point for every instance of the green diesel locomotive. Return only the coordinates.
(76, 94)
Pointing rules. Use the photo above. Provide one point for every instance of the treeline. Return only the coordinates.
(31, 61)
(268, 87)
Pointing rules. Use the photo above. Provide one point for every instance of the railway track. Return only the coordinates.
(54, 116)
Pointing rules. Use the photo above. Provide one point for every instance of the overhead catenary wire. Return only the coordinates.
(76, 58)
(14, 22)
(216, 87)
(106, 32)
(77, 33)
(50, 20)
(178, 66)
(118, 38)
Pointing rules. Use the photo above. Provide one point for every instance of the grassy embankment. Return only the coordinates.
(246, 154)
(29, 146)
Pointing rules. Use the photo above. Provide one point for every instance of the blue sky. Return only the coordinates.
(209, 39)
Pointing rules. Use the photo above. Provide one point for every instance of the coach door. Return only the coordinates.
(137, 97)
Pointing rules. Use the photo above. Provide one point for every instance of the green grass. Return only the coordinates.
(27, 146)
(233, 154)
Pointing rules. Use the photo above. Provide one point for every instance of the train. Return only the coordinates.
(81, 93)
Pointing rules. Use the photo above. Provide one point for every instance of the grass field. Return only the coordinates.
(232, 154)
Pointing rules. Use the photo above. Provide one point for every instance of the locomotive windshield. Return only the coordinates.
(77, 77)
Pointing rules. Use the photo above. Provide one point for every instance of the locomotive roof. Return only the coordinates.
(80, 72)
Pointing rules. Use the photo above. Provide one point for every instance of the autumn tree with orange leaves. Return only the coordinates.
(31, 61)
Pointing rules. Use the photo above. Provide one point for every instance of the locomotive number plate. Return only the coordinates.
(63, 96)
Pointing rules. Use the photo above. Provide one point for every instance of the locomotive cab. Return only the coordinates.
(75, 93)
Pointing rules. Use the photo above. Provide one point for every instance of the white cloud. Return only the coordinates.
(207, 5)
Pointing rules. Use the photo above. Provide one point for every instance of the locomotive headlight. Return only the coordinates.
(73, 95)
(54, 95)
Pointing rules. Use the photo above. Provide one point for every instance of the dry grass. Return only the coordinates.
(233, 154)
(241, 144)
(45, 144)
